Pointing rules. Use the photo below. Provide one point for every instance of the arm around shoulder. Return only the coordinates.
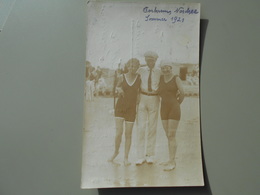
(119, 86)
(181, 90)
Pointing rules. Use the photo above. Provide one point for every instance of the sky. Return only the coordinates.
(117, 32)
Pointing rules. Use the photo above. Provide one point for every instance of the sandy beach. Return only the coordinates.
(98, 146)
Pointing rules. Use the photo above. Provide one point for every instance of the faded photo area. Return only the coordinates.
(142, 116)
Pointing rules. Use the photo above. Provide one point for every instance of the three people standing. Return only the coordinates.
(153, 84)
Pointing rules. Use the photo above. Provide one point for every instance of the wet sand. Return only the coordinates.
(98, 147)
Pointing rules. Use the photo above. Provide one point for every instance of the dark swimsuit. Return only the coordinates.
(170, 107)
(126, 106)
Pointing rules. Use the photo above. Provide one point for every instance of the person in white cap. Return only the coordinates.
(172, 95)
(148, 109)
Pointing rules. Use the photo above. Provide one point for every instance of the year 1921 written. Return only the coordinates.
(174, 19)
(177, 19)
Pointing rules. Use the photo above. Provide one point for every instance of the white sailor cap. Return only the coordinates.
(150, 54)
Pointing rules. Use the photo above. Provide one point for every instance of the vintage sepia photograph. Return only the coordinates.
(141, 111)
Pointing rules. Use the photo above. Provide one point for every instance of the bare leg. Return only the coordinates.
(165, 127)
(172, 145)
(128, 140)
(118, 138)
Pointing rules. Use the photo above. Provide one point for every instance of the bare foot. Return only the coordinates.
(127, 163)
(116, 163)
(113, 157)
(111, 160)
(170, 166)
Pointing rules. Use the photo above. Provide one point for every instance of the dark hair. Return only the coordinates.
(133, 61)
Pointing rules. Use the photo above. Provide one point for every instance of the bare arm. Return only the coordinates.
(119, 86)
(181, 90)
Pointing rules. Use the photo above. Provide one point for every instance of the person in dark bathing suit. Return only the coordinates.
(172, 95)
(125, 109)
